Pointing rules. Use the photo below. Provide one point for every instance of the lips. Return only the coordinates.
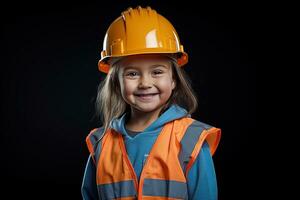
(145, 96)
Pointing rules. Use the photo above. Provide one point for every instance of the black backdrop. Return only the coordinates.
(49, 80)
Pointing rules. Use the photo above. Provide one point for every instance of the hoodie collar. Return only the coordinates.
(172, 113)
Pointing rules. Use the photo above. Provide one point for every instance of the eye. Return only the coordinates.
(157, 72)
(131, 74)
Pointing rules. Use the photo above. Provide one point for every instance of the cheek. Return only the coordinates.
(167, 85)
(127, 87)
(124, 90)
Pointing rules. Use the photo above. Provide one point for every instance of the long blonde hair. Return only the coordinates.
(110, 103)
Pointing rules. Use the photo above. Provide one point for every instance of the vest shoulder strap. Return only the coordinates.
(93, 141)
(196, 133)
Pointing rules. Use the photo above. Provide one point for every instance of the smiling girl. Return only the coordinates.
(149, 147)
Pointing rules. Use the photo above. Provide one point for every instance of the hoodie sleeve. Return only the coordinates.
(202, 183)
(89, 186)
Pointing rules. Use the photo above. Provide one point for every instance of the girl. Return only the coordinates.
(149, 147)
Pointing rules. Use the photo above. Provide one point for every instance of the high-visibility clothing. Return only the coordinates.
(165, 171)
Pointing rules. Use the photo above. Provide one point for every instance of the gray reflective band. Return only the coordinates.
(97, 152)
(165, 188)
(96, 143)
(117, 190)
(189, 141)
(96, 135)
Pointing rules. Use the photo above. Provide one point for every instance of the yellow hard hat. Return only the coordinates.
(140, 31)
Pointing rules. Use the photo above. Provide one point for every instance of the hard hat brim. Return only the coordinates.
(106, 62)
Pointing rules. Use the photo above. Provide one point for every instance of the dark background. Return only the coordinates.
(49, 79)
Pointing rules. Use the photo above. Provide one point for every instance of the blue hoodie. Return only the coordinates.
(201, 179)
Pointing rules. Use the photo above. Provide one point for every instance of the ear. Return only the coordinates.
(173, 84)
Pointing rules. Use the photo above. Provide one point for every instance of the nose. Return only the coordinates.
(145, 82)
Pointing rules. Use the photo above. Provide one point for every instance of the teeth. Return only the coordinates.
(143, 95)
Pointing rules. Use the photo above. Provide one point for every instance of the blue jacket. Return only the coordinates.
(201, 178)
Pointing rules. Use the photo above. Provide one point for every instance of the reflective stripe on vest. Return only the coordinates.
(117, 190)
(94, 143)
(164, 172)
(164, 188)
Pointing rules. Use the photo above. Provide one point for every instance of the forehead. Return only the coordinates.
(147, 60)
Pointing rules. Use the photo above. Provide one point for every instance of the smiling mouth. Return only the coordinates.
(146, 97)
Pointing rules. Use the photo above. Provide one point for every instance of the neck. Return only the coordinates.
(140, 120)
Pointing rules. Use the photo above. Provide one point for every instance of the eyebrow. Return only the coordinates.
(159, 65)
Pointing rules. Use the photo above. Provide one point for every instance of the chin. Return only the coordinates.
(148, 109)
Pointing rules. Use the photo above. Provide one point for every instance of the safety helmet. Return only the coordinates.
(140, 31)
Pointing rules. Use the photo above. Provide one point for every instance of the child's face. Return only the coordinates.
(146, 81)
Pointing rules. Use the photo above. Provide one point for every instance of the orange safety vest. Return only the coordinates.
(164, 173)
